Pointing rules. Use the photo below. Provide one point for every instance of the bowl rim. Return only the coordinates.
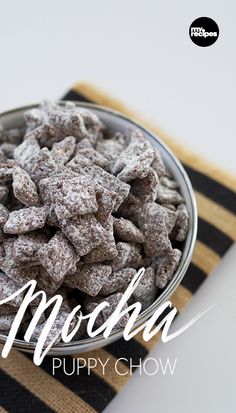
(99, 340)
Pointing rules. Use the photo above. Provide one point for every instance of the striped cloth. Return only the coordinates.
(27, 388)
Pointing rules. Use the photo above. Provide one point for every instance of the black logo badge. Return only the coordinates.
(204, 31)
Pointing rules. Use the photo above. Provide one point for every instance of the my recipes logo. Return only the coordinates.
(157, 321)
(204, 31)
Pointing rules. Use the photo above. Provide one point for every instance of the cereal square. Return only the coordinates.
(57, 256)
(26, 220)
(84, 232)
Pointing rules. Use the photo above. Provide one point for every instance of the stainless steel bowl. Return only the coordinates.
(119, 122)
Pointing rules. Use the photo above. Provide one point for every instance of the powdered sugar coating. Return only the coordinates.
(26, 220)
(4, 191)
(3, 157)
(72, 197)
(94, 156)
(4, 213)
(170, 218)
(130, 208)
(106, 201)
(21, 274)
(111, 148)
(26, 247)
(169, 183)
(84, 144)
(57, 256)
(106, 250)
(166, 195)
(135, 147)
(54, 333)
(62, 151)
(152, 222)
(6, 170)
(146, 291)
(135, 258)
(46, 135)
(158, 164)
(146, 188)
(14, 136)
(14, 269)
(110, 182)
(117, 281)
(121, 259)
(78, 163)
(72, 276)
(74, 121)
(8, 149)
(106, 312)
(92, 124)
(26, 149)
(34, 118)
(6, 322)
(166, 267)
(40, 165)
(137, 168)
(7, 288)
(127, 231)
(92, 277)
(47, 185)
(182, 223)
(113, 300)
(84, 232)
(47, 283)
(42, 318)
(135, 160)
(24, 188)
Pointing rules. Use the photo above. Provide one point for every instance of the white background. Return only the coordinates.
(140, 52)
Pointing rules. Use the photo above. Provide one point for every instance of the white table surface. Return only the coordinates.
(141, 52)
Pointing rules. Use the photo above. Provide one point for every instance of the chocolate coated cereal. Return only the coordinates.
(82, 209)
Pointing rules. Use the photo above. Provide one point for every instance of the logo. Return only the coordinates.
(204, 31)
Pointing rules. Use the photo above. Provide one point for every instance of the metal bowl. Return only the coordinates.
(119, 122)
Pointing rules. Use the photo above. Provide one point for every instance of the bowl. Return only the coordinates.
(119, 122)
